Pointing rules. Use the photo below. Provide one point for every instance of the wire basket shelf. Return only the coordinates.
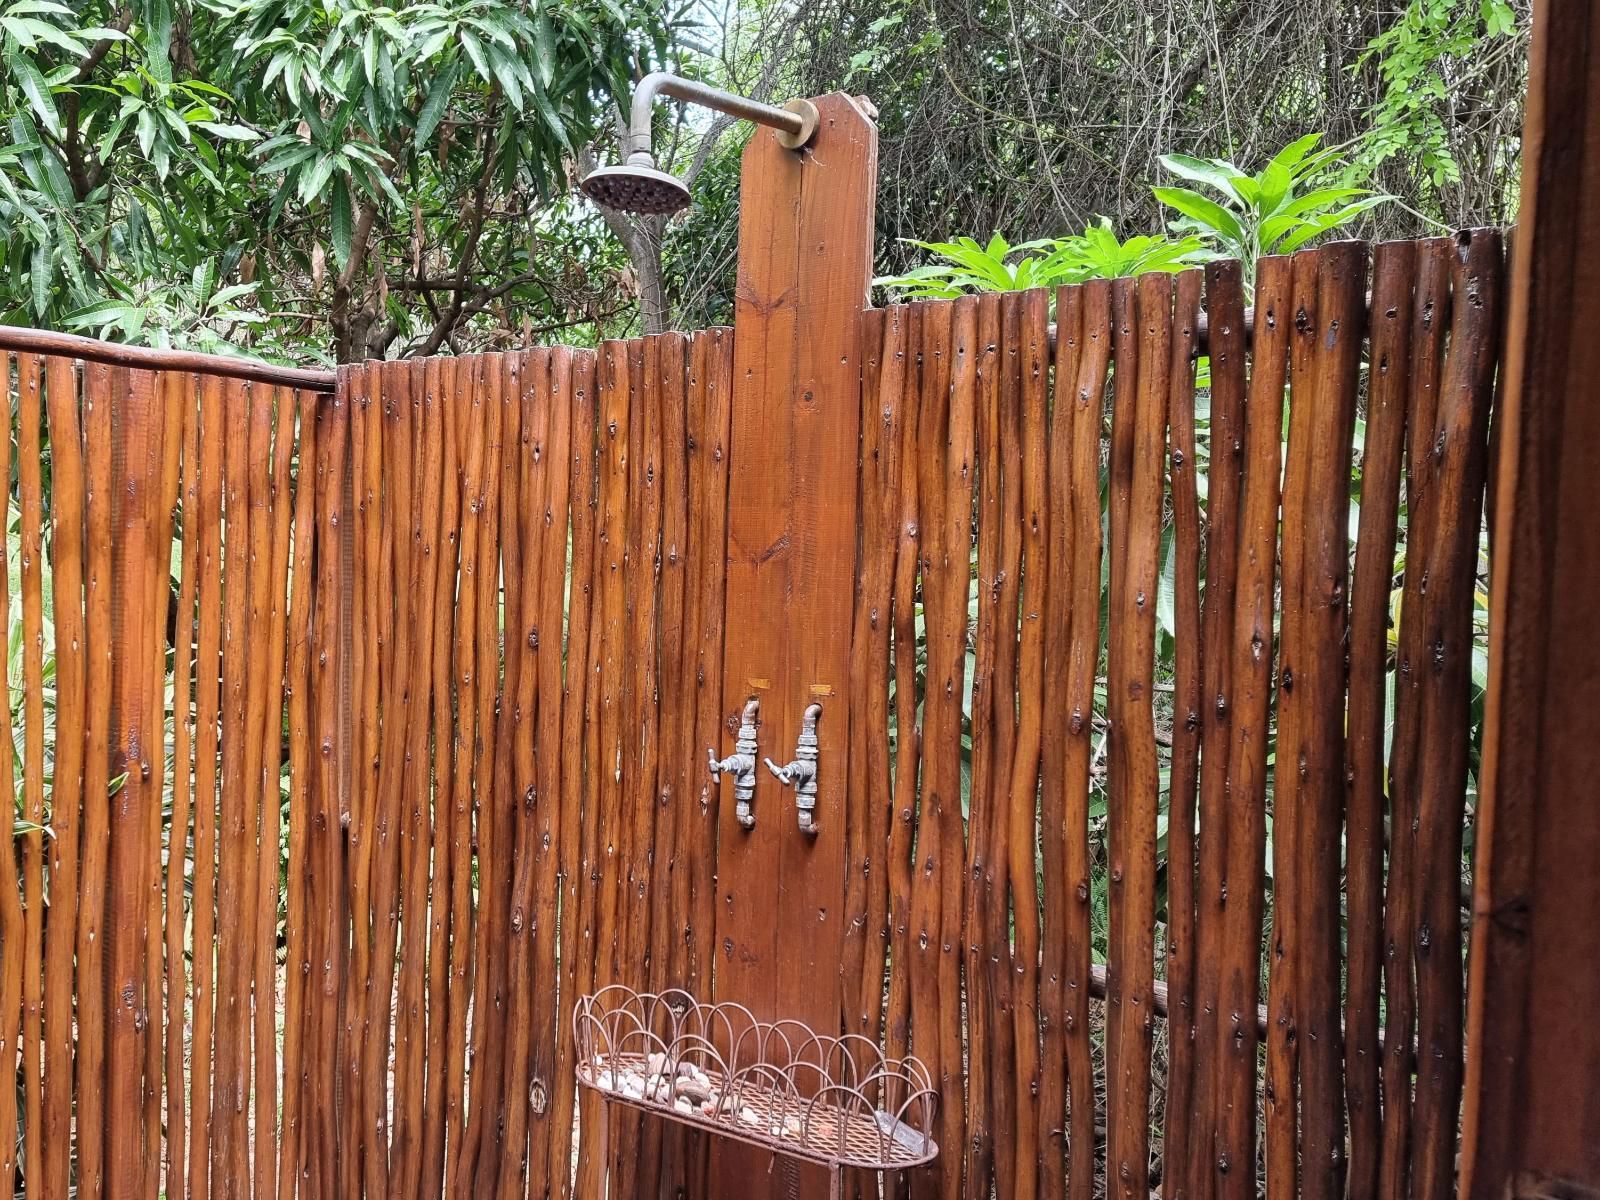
(836, 1101)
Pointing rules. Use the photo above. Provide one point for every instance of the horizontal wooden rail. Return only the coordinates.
(43, 341)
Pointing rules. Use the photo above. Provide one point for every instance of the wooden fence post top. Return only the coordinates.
(805, 259)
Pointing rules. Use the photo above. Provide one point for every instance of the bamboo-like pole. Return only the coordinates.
(1187, 726)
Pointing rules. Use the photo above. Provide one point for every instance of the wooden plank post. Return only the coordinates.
(805, 252)
(1530, 1125)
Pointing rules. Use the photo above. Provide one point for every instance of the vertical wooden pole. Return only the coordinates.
(805, 241)
(1534, 1046)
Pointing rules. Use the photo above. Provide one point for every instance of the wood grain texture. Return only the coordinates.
(1089, 406)
(987, 1011)
(499, 601)
(291, 1158)
(904, 908)
(440, 1082)
(1285, 948)
(1315, 576)
(1187, 725)
(985, 912)
(1132, 845)
(1238, 946)
(12, 917)
(165, 455)
(208, 673)
(936, 850)
(1054, 837)
(1022, 789)
(1430, 310)
(30, 497)
(1458, 452)
(1228, 353)
(1382, 452)
(134, 418)
(805, 240)
(68, 526)
(1532, 1045)
(576, 832)
(96, 783)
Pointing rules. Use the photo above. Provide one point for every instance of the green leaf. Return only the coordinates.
(230, 133)
(474, 49)
(233, 292)
(315, 178)
(1210, 214)
(158, 40)
(342, 222)
(289, 158)
(544, 42)
(36, 90)
(43, 8)
(966, 253)
(72, 43)
(433, 108)
(40, 277)
(552, 118)
(1219, 175)
(145, 130)
(1332, 220)
(506, 73)
(20, 32)
(1295, 152)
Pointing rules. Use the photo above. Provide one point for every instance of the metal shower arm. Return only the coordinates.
(795, 123)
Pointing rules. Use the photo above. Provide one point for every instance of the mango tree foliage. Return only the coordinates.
(274, 174)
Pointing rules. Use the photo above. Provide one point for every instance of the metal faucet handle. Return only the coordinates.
(802, 772)
(741, 764)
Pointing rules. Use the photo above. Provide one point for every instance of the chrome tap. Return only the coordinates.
(741, 764)
(802, 772)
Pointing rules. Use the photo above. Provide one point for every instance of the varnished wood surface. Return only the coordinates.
(478, 620)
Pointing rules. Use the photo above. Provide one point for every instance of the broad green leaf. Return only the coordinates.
(433, 108)
(158, 35)
(474, 49)
(46, 32)
(233, 292)
(40, 277)
(20, 32)
(1275, 184)
(1322, 224)
(341, 222)
(39, 8)
(1221, 176)
(230, 133)
(1295, 152)
(146, 131)
(315, 177)
(544, 41)
(1209, 213)
(292, 157)
(36, 90)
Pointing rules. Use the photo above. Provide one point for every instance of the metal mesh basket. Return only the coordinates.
(837, 1101)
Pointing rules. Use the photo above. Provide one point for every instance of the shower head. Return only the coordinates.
(639, 186)
(636, 187)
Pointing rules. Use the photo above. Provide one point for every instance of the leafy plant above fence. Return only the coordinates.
(1288, 204)
(1275, 211)
(998, 266)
